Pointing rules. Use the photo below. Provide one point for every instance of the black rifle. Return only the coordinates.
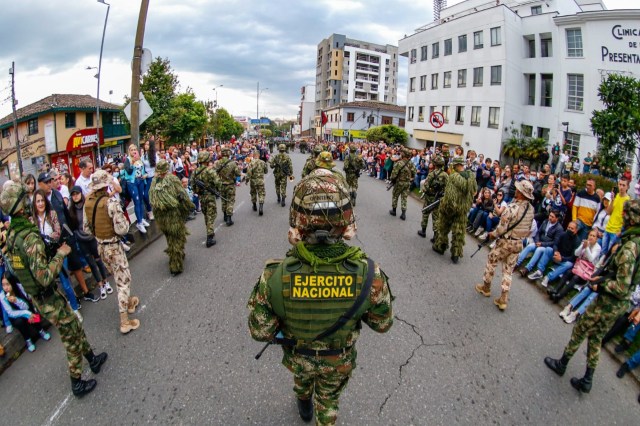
(393, 182)
(431, 207)
(200, 184)
(509, 229)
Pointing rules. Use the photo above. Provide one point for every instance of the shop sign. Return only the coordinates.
(85, 138)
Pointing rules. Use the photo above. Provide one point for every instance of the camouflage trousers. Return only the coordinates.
(210, 212)
(57, 311)
(175, 231)
(400, 189)
(324, 378)
(115, 259)
(455, 224)
(256, 188)
(505, 251)
(228, 191)
(281, 185)
(435, 214)
(594, 325)
(352, 181)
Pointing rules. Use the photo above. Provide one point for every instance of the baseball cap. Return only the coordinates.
(44, 177)
(76, 188)
(608, 196)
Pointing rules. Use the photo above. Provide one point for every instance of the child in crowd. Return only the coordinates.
(193, 197)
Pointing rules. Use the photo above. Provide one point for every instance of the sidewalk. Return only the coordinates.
(14, 343)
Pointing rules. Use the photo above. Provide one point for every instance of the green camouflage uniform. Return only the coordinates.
(208, 204)
(434, 185)
(310, 164)
(458, 197)
(281, 163)
(353, 164)
(228, 171)
(403, 173)
(171, 206)
(255, 174)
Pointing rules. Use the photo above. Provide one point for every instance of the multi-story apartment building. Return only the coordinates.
(533, 65)
(350, 70)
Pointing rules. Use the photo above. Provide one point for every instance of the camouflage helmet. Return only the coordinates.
(321, 202)
(438, 161)
(162, 166)
(457, 161)
(203, 157)
(317, 149)
(282, 147)
(226, 152)
(14, 198)
(325, 160)
(405, 153)
(99, 179)
(630, 212)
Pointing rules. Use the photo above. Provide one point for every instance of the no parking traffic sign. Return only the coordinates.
(436, 119)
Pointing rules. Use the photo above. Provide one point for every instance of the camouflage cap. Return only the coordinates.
(99, 179)
(526, 188)
(226, 152)
(282, 147)
(325, 160)
(162, 166)
(406, 153)
(203, 157)
(317, 149)
(13, 197)
(457, 161)
(321, 202)
(438, 161)
(630, 212)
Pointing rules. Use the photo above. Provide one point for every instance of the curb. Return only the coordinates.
(14, 344)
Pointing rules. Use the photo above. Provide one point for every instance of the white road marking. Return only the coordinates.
(59, 410)
(153, 295)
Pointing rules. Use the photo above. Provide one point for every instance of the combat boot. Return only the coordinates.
(484, 289)
(211, 241)
(305, 409)
(559, 366)
(403, 216)
(229, 221)
(278, 197)
(353, 198)
(95, 361)
(624, 369)
(81, 387)
(132, 304)
(225, 218)
(501, 302)
(392, 212)
(126, 324)
(584, 384)
(260, 211)
(255, 208)
(423, 232)
(282, 203)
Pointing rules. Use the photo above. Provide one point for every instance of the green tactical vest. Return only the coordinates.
(19, 263)
(310, 302)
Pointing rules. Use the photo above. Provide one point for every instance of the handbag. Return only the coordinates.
(583, 268)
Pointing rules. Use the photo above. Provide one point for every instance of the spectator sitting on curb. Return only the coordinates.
(563, 253)
(548, 235)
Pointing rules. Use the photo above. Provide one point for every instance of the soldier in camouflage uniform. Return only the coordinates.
(37, 273)
(402, 175)
(111, 224)
(227, 171)
(310, 164)
(303, 146)
(432, 188)
(255, 177)
(209, 178)
(614, 288)
(353, 165)
(321, 362)
(514, 226)
(455, 204)
(282, 169)
(171, 206)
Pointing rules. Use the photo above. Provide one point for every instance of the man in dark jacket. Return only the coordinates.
(562, 252)
(547, 236)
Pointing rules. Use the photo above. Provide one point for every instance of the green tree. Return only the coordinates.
(224, 126)
(159, 86)
(617, 126)
(518, 146)
(388, 133)
(186, 119)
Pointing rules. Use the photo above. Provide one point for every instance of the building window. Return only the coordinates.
(477, 40)
(351, 116)
(543, 133)
(435, 50)
(531, 46)
(546, 89)
(462, 43)
(477, 76)
(531, 89)
(423, 53)
(459, 115)
(572, 144)
(574, 43)
(494, 117)
(414, 53)
(401, 122)
(496, 39)
(386, 120)
(536, 10)
(448, 47)
(423, 82)
(432, 109)
(445, 113)
(526, 130)
(475, 115)
(576, 92)
(434, 81)
(32, 126)
(113, 118)
(410, 114)
(420, 113)
(496, 75)
(546, 50)
(412, 84)
(446, 79)
(88, 121)
(70, 120)
(6, 133)
(462, 78)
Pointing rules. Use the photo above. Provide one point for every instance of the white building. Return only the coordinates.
(351, 120)
(306, 114)
(533, 65)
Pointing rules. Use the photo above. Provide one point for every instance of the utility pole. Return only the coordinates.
(135, 75)
(12, 71)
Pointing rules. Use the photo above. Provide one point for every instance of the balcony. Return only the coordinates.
(115, 130)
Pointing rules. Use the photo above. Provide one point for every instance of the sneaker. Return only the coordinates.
(107, 287)
(492, 245)
(30, 346)
(78, 315)
(523, 271)
(483, 236)
(569, 319)
(103, 293)
(535, 275)
(46, 336)
(545, 281)
(141, 228)
(479, 231)
(89, 297)
(145, 223)
(150, 216)
(565, 312)
(9, 329)
(126, 247)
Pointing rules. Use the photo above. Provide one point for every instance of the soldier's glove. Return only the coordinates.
(64, 250)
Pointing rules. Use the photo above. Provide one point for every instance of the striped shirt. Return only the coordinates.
(585, 207)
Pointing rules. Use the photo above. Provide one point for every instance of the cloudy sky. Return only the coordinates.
(233, 43)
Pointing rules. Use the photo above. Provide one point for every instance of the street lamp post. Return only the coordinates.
(258, 91)
(104, 30)
(215, 103)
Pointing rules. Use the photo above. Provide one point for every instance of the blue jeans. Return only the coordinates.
(634, 360)
(145, 194)
(583, 230)
(491, 223)
(529, 248)
(560, 270)
(587, 295)
(135, 191)
(609, 240)
(67, 287)
(541, 257)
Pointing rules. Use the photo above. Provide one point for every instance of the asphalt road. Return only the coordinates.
(450, 358)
